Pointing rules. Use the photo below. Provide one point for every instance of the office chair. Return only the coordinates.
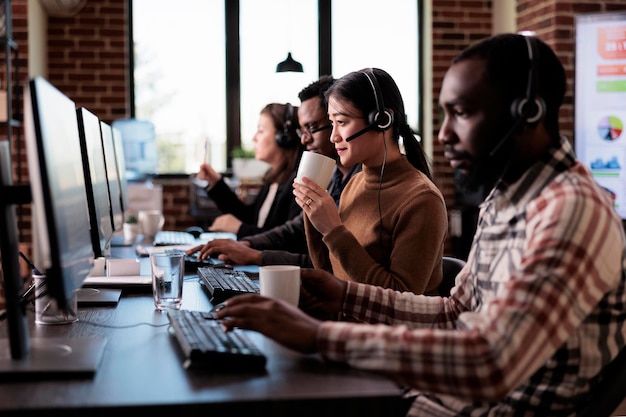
(610, 392)
(451, 267)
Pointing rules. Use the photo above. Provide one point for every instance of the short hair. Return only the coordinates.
(317, 89)
(507, 65)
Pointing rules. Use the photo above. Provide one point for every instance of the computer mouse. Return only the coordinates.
(196, 231)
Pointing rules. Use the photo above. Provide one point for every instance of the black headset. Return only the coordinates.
(288, 138)
(530, 107)
(380, 119)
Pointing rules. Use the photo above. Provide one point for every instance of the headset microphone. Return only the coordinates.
(360, 132)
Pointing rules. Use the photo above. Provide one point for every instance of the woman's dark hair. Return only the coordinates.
(355, 88)
(293, 151)
(507, 62)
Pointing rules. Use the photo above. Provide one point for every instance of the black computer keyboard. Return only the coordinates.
(173, 238)
(192, 263)
(223, 283)
(206, 345)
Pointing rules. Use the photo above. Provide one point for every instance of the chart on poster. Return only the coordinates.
(600, 100)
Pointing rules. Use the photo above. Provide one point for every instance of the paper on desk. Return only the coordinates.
(118, 281)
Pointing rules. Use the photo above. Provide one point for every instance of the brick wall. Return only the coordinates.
(87, 58)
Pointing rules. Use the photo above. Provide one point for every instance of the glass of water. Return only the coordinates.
(168, 274)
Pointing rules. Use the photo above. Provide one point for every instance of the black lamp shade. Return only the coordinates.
(289, 65)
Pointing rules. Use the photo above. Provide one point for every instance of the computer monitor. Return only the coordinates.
(61, 238)
(115, 188)
(121, 166)
(98, 199)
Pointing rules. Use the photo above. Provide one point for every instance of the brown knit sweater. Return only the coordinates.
(404, 253)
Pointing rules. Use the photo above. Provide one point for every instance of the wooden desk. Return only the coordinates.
(142, 370)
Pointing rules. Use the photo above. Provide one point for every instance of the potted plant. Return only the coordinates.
(131, 227)
(246, 166)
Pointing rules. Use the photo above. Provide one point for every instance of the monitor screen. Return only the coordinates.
(600, 100)
(115, 189)
(121, 166)
(61, 233)
(62, 244)
(95, 174)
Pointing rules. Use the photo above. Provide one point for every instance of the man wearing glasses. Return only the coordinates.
(286, 244)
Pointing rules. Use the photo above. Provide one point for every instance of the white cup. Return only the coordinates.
(316, 167)
(281, 282)
(168, 274)
(46, 309)
(151, 222)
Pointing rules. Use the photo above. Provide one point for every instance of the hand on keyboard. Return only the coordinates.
(205, 344)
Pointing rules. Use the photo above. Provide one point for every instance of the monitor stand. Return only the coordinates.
(53, 358)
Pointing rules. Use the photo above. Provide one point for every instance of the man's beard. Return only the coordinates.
(487, 169)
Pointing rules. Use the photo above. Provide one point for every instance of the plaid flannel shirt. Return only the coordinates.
(535, 315)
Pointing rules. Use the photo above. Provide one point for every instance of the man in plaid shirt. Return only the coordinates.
(537, 314)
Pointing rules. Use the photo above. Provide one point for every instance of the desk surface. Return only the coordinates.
(142, 367)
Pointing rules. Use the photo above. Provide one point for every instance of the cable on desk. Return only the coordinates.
(108, 326)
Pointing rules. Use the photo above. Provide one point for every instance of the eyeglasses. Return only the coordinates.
(310, 130)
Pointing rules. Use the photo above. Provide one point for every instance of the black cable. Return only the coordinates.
(380, 210)
(108, 326)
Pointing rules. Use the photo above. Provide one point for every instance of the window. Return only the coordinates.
(179, 53)
(180, 65)
(368, 33)
(285, 26)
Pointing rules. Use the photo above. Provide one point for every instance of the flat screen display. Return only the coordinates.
(115, 189)
(60, 212)
(98, 198)
(600, 100)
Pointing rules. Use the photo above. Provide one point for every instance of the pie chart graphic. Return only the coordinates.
(610, 128)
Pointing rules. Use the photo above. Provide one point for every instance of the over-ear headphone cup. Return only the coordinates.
(530, 108)
(380, 121)
(531, 111)
(282, 138)
(288, 137)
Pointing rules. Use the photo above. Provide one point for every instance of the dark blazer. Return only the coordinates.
(283, 207)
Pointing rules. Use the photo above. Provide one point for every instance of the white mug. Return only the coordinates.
(316, 167)
(151, 222)
(280, 281)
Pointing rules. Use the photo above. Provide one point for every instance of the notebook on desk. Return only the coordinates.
(122, 273)
(94, 297)
(118, 281)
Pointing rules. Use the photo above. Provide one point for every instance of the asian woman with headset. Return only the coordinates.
(392, 219)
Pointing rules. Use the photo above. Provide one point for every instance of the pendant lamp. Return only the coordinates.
(289, 65)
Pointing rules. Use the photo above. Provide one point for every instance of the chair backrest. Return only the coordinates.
(451, 267)
(610, 391)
